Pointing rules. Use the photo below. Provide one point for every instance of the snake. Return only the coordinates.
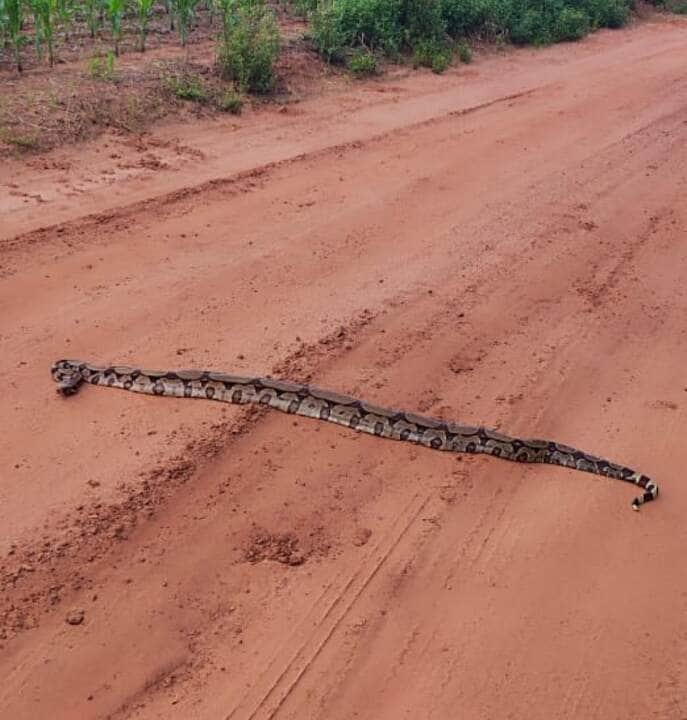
(350, 412)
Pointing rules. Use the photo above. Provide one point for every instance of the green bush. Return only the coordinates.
(371, 23)
(441, 61)
(425, 26)
(327, 34)
(187, 87)
(464, 52)
(462, 17)
(432, 54)
(388, 25)
(572, 24)
(422, 20)
(249, 46)
(531, 28)
(304, 7)
(362, 64)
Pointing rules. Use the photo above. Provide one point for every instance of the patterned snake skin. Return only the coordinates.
(343, 410)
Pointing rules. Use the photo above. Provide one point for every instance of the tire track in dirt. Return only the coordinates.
(159, 485)
(113, 221)
(516, 589)
(283, 673)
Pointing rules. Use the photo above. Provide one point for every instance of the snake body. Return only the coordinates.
(343, 410)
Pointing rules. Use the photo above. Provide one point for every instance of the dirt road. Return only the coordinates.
(507, 245)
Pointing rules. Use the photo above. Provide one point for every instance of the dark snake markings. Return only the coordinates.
(346, 411)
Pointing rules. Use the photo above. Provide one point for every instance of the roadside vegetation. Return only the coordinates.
(432, 32)
(357, 36)
(246, 32)
(355, 32)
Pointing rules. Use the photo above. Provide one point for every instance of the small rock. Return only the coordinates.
(75, 617)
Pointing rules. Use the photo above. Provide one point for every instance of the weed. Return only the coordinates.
(230, 102)
(362, 63)
(464, 52)
(21, 141)
(249, 46)
(103, 68)
(188, 87)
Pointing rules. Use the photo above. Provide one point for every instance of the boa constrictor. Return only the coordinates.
(343, 410)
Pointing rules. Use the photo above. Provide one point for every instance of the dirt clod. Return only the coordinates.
(75, 617)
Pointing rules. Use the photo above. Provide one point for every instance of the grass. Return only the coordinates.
(230, 102)
(103, 68)
(20, 141)
(362, 63)
(188, 87)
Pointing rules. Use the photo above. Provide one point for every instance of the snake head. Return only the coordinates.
(68, 377)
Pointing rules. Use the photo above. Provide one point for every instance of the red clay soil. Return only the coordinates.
(506, 245)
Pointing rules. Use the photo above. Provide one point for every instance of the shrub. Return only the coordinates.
(464, 52)
(572, 24)
(432, 54)
(249, 47)
(422, 20)
(304, 7)
(462, 17)
(188, 87)
(606, 13)
(230, 102)
(388, 25)
(424, 26)
(441, 60)
(531, 28)
(326, 33)
(362, 63)
(371, 23)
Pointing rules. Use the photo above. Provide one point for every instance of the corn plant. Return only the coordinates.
(169, 9)
(144, 10)
(91, 9)
(184, 11)
(115, 10)
(44, 14)
(11, 20)
(64, 11)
